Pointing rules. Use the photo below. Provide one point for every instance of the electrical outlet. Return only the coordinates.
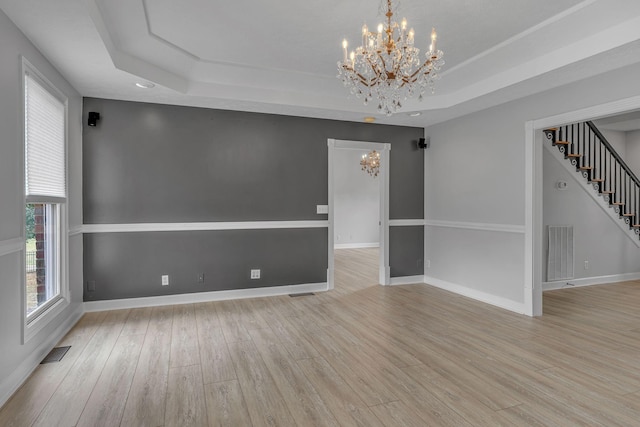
(201, 278)
(165, 280)
(91, 285)
(586, 265)
(428, 263)
(255, 274)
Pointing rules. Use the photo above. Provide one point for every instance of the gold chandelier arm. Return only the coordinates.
(387, 66)
(427, 63)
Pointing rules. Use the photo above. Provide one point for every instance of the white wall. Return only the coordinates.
(475, 178)
(598, 239)
(633, 151)
(618, 141)
(356, 202)
(16, 359)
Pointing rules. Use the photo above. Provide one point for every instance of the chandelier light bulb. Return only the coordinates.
(344, 48)
(387, 65)
(434, 37)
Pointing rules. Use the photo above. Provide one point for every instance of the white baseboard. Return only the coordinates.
(406, 280)
(505, 303)
(590, 281)
(117, 304)
(11, 384)
(355, 245)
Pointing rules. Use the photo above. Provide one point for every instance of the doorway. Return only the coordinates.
(336, 147)
(534, 254)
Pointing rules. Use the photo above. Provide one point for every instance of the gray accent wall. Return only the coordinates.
(224, 257)
(406, 248)
(151, 163)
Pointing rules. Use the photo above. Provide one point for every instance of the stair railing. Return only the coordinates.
(595, 158)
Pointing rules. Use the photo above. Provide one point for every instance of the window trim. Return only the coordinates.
(36, 321)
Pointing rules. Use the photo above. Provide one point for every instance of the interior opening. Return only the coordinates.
(356, 229)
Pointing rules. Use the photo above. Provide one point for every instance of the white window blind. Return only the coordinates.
(45, 166)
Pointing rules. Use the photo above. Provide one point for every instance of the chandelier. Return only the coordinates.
(371, 163)
(387, 66)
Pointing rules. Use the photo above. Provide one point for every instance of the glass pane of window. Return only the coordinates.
(41, 256)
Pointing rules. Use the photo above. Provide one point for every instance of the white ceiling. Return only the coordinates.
(280, 56)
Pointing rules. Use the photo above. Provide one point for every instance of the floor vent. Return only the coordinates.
(303, 294)
(55, 355)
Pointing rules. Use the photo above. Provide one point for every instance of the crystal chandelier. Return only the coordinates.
(387, 66)
(371, 163)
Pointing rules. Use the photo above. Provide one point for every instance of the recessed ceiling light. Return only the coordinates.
(369, 119)
(145, 85)
(415, 114)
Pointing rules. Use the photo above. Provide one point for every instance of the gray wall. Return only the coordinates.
(356, 199)
(15, 357)
(475, 173)
(149, 163)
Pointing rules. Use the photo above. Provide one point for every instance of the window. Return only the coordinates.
(45, 117)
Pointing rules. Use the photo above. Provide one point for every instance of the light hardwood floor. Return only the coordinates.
(362, 355)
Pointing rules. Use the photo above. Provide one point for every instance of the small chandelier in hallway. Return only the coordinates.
(371, 163)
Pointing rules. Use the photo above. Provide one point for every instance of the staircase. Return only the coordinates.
(584, 146)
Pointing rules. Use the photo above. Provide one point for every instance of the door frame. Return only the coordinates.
(534, 256)
(384, 272)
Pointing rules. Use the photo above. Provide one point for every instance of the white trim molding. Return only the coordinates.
(406, 222)
(465, 291)
(504, 228)
(117, 304)
(590, 281)
(11, 245)
(11, 384)
(356, 245)
(407, 280)
(75, 230)
(201, 226)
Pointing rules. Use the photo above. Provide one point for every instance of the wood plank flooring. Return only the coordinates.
(361, 355)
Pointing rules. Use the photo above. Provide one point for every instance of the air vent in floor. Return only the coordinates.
(55, 355)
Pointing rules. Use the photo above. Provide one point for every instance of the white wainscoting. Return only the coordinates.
(505, 228)
(201, 226)
(505, 303)
(197, 297)
(589, 281)
(9, 385)
(407, 280)
(11, 245)
(356, 245)
(406, 222)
